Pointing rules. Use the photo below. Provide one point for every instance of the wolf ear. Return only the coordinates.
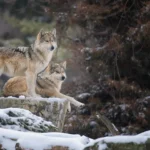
(54, 32)
(64, 64)
(39, 35)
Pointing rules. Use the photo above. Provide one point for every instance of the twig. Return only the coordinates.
(111, 127)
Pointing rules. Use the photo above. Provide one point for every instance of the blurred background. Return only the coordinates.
(106, 44)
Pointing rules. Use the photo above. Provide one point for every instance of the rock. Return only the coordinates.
(88, 58)
(51, 109)
(83, 97)
(121, 114)
(93, 124)
(24, 120)
(84, 111)
(121, 143)
(86, 50)
(89, 69)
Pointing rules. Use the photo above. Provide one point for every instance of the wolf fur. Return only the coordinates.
(29, 61)
(48, 84)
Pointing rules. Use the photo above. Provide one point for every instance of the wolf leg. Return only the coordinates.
(31, 83)
(70, 99)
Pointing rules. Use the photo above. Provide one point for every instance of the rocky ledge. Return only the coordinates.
(51, 109)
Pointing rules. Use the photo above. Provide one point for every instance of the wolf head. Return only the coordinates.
(46, 40)
(54, 71)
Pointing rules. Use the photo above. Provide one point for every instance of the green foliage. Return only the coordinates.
(28, 27)
(12, 42)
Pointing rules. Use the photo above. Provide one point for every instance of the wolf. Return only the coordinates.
(29, 61)
(48, 84)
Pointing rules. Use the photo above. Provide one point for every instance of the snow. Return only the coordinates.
(29, 140)
(123, 106)
(147, 97)
(22, 96)
(48, 142)
(82, 139)
(101, 48)
(83, 95)
(40, 141)
(102, 142)
(102, 146)
(15, 118)
(146, 133)
(50, 100)
(93, 123)
(124, 139)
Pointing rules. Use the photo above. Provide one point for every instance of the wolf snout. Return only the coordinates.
(52, 48)
(63, 78)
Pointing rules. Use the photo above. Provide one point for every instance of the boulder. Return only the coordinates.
(51, 109)
(23, 120)
(121, 143)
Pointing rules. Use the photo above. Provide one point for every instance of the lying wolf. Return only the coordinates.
(29, 61)
(48, 84)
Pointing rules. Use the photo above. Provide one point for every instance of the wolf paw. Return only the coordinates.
(80, 104)
(37, 96)
(34, 95)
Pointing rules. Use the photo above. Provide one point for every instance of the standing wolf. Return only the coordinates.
(29, 61)
(48, 84)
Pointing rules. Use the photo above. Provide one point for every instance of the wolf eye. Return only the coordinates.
(57, 71)
(46, 41)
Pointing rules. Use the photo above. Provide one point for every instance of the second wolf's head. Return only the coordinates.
(46, 40)
(55, 72)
